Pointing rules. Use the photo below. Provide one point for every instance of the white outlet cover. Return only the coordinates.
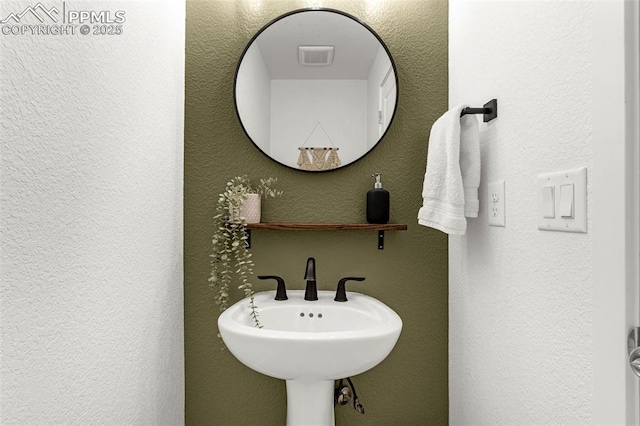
(496, 204)
(577, 177)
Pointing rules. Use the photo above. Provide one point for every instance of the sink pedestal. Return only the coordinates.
(310, 403)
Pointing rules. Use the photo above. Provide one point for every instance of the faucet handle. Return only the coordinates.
(341, 291)
(281, 292)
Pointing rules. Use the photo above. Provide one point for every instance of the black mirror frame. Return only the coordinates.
(316, 9)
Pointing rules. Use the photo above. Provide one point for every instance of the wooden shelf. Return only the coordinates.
(297, 226)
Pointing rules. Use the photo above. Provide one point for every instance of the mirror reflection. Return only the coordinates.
(315, 90)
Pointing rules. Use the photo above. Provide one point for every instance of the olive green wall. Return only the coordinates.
(410, 274)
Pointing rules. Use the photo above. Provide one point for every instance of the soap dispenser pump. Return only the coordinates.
(377, 202)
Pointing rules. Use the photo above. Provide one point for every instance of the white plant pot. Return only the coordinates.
(250, 208)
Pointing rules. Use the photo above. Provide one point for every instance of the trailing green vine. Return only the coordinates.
(230, 255)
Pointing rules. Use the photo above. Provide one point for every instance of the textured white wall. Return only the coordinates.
(91, 301)
(522, 311)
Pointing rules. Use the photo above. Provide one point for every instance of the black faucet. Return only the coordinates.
(311, 292)
(281, 292)
(341, 291)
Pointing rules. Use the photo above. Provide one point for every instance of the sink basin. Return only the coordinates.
(310, 344)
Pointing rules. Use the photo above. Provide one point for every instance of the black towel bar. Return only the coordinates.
(489, 110)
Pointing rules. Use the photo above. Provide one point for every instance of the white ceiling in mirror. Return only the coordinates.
(355, 48)
(281, 103)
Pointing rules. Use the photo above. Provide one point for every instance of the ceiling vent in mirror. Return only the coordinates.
(315, 55)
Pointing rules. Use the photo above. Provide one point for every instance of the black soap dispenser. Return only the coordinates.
(377, 202)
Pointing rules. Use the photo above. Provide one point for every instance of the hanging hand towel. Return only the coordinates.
(450, 189)
(470, 163)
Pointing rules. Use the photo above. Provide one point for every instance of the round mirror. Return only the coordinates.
(316, 89)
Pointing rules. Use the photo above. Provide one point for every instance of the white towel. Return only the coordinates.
(450, 189)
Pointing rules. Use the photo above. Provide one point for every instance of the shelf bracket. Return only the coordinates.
(380, 240)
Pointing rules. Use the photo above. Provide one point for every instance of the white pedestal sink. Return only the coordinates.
(310, 344)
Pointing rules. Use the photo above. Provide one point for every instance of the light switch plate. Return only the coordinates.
(560, 182)
(496, 204)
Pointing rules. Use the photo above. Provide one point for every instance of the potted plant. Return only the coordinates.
(229, 241)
